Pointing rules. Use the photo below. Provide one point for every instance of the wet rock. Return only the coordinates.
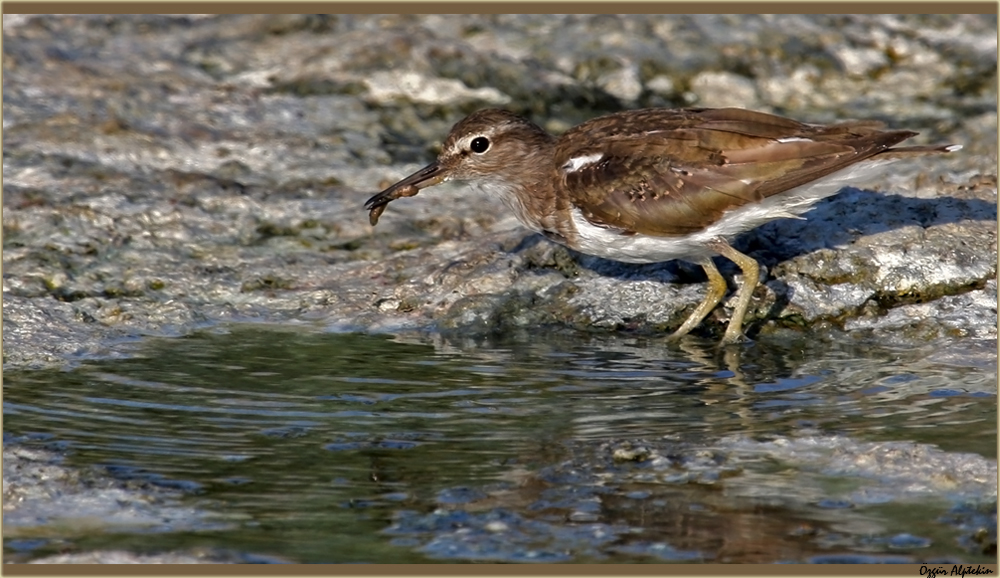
(499, 535)
(724, 89)
(384, 87)
(39, 491)
(163, 173)
(228, 185)
(656, 499)
(623, 84)
(120, 557)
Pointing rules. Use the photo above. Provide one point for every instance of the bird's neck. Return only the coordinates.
(526, 185)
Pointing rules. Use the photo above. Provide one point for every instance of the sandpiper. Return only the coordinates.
(652, 185)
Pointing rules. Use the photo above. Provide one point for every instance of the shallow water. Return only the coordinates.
(356, 448)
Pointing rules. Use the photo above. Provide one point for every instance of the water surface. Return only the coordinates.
(357, 448)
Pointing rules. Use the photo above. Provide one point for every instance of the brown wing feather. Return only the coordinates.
(669, 173)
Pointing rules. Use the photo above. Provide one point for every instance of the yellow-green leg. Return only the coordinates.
(751, 276)
(716, 291)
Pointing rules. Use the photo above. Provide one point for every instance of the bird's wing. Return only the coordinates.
(672, 172)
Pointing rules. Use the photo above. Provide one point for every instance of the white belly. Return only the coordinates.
(610, 244)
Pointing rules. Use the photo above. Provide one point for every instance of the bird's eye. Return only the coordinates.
(480, 144)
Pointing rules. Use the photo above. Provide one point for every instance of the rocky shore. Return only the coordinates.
(167, 173)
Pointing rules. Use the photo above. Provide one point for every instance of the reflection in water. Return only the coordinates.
(343, 447)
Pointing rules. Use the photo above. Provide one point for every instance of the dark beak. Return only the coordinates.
(428, 176)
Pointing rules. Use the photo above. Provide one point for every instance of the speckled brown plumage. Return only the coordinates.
(656, 184)
(677, 171)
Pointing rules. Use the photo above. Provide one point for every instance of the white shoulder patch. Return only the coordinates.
(576, 163)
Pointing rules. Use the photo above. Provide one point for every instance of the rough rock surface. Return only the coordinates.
(603, 492)
(162, 173)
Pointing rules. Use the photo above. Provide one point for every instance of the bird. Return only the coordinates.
(658, 184)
